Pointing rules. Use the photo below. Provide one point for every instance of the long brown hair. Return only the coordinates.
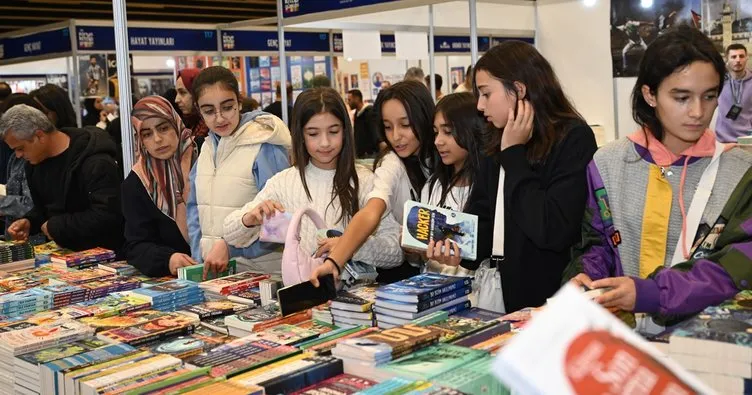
(517, 61)
(345, 186)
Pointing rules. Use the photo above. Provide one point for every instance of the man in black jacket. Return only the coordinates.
(364, 127)
(74, 181)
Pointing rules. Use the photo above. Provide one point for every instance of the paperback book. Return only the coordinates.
(423, 223)
(422, 287)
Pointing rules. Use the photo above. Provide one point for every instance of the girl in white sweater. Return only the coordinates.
(324, 178)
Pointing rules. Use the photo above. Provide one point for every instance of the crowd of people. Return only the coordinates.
(661, 219)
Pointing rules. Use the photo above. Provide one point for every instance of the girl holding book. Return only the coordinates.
(456, 159)
(325, 178)
(156, 230)
(405, 111)
(241, 152)
(668, 224)
(530, 192)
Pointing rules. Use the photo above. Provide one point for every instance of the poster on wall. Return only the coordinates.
(354, 81)
(634, 27)
(92, 75)
(308, 71)
(458, 76)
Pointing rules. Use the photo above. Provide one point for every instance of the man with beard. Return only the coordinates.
(735, 101)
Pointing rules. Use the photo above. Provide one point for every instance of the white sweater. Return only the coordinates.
(392, 185)
(455, 200)
(382, 249)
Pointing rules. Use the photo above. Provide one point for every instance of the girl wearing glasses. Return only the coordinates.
(239, 155)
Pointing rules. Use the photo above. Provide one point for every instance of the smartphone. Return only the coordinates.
(304, 296)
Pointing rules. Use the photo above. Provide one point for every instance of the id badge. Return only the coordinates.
(734, 112)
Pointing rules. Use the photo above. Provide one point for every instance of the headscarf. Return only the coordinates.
(166, 181)
(193, 120)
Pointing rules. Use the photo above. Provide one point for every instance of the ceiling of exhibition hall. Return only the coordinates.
(20, 14)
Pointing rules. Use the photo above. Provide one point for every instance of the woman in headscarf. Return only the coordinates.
(184, 100)
(154, 192)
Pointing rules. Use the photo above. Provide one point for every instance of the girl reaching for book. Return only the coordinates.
(240, 154)
(668, 223)
(324, 178)
(156, 231)
(456, 159)
(405, 111)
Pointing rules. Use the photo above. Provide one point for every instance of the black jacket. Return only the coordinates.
(151, 237)
(276, 109)
(366, 133)
(90, 195)
(544, 205)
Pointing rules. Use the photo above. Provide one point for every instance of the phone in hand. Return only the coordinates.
(304, 296)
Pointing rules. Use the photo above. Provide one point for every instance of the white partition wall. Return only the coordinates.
(576, 40)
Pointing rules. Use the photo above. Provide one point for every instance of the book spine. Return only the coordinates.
(422, 306)
(447, 288)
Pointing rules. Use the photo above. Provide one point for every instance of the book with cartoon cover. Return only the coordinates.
(356, 299)
(422, 223)
(172, 324)
(421, 287)
(38, 337)
(123, 320)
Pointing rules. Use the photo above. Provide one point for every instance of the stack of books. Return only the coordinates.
(78, 277)
(716, 345)
(82, 259)
(16, 255)
(43, 252)
(195, 273)
(354, 307)
(63, 295)
(32, 339)
(268, 289)
(27, 370)
(403, 301)
(119, 268)
(230, 285)
(25, 302)
(250, 297)
(200, 341)
(208, 310)
(123, 320)
(119, 378)
(361, 354)
(172, 295)
(52, 374)
(340, 384)
(258, 319)
(113, 304)
(158, 329)
(290, 374)
(323, 313)
(429, 362)
(100, 288)
(241, 355)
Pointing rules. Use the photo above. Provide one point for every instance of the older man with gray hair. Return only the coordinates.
(74, 181)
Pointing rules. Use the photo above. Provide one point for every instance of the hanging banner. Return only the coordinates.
(304, 7)
(244, 40)
(43, 43)
(388, 43)
(102, 38)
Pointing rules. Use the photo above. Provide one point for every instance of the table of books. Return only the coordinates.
(79, 323)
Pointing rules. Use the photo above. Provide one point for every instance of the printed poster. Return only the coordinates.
(93, 75)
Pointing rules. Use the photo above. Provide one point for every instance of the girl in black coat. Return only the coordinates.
(156, 230)
(543, 146)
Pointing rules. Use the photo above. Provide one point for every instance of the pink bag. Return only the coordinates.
(297, 265)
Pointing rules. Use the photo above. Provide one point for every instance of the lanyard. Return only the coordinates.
(736, 90)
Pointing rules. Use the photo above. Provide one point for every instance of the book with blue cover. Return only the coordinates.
(424, 305)
(422, 223)
(422, 287)
(51, 381)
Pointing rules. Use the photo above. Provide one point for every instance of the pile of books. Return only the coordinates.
(202, 340)
(250, 297)
(16, 255)
(361, 355)
(119, 268)
(716, 345)
(32, 339)
(113, 304)
(231, 285)
(63, 295)
(258, 319)
(172, 295)
(156, 329)
(100, 288)
(289, 374)
(241, 355)
(403, 301)
(217, 309)
(82, 259)
(78, 277)
(195, 273)
(24, 302)
(354, 307)
(28, 376)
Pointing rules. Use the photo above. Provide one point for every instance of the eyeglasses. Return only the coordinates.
(226, 112)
